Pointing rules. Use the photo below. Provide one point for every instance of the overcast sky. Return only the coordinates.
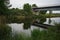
(19, 3)
(39, 3)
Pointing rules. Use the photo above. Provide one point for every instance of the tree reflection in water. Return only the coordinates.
(28, 21)
(49, 20)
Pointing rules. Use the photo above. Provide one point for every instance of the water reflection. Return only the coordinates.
(18, 28)
(27, 22)
(26, 25)
(51, 21)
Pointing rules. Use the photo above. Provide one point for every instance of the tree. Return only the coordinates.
(28, 15)
(27, 8)
(34, 5)
(5, 32)
(43, 12)
(4, 7)
(3, 10)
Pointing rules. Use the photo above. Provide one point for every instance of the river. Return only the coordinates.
(18, 28)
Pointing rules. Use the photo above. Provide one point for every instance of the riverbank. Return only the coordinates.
(50, 34)
(52, 15)
(22, 19)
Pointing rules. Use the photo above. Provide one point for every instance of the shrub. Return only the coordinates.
(5, 32)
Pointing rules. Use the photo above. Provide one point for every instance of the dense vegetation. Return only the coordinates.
(52, 33)
(52, 15)
(5, 32)
(26, 16)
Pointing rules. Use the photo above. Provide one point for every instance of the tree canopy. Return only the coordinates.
(4, 7)
(43, 11)
(27, 8)
(34, 5)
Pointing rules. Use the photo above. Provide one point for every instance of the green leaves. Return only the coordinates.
(27, 8)
(5, 32)
(43, 12)
(34, 5)
(3, 7)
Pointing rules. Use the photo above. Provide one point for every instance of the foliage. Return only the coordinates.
(42, 12)
(21, 37)
(27, 9)
(52, 33)
(4, 11)
(5, 32)
(28, 15)
(42, 18)
(52, 15)
(57, 31)
(34, 5)
(16, 11)
(4, 7)
(35, 34)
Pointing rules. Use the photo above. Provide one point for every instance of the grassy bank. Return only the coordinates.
(5, 32)
(52, 15)
(52, 33)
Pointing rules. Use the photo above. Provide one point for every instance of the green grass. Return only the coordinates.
(52, 15)
(52, 33)
(21, 36)
(5, 32)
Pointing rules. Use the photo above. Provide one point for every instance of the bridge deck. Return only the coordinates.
(47, 8)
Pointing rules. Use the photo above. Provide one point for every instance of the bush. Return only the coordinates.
(5, 32)
(52, 33)
(35, 34)
(19, 36)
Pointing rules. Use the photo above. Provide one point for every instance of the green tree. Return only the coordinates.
(27, 8)
(35, 34)
(28, 15)
(4, 11)
(4, 7)
(34, 5)
(5, 32)
(42, 12)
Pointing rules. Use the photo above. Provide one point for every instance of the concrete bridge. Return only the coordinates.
(48, 8)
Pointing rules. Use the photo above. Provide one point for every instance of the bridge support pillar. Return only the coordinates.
(50, 12)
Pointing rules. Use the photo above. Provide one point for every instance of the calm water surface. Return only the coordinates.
(18, 28)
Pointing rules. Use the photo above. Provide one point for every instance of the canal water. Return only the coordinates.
(18, 28)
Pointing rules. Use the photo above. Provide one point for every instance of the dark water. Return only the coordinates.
(18, 28)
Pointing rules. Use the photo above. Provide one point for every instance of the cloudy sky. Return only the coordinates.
(19, 3)
(39, 3)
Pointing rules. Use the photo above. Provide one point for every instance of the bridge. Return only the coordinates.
(48, 8)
